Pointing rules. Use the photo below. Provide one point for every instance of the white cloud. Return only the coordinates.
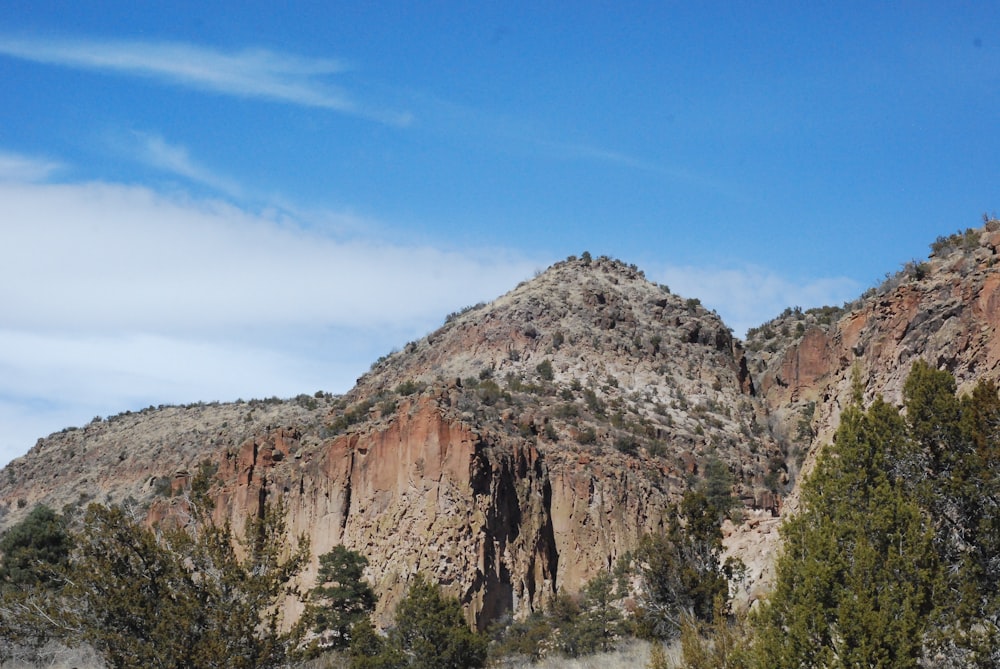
(117, 296)
(104, 257)
(254, 73)
(19, 168)
(747, 296)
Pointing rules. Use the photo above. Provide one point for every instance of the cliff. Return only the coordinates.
(524, 446)
(528, 443)
(521, 448)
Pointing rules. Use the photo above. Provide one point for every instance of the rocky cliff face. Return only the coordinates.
(945, 310)
(521, 448)
(524, 446)
(528, 443)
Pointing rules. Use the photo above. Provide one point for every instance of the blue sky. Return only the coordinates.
(205, 201)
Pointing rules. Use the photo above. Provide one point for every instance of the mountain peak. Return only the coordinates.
(586, 316)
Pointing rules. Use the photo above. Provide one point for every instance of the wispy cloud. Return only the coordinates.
(17, 167)
(747, 296)
(86, 250)
(253, 73)
(157, 152)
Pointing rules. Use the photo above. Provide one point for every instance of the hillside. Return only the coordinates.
(528, 443)
(521, 448)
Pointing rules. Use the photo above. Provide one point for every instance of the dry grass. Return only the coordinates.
(57, 656)
(632, 654)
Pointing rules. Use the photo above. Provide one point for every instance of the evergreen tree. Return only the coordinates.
(718, 486)
(594, 625)
(681, 570)
(168, 598)
(857, 572)
(959, 484)
(34, 549)
(341, 597)
(34, 552)
(429, 633)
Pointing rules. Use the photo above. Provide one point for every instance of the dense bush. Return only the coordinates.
(166, 598)
(429, 632)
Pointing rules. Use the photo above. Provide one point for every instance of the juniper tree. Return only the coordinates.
(170, 598)
(681, 570)
(32, 549)
(857, 572)
(341, 597)
(429, 632)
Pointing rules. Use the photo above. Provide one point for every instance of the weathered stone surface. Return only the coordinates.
(458, 458)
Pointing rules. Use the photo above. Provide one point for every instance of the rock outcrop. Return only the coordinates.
(523, 447)
(945, 311)
(527, 444)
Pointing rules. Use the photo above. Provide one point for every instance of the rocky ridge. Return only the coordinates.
(945, 310)
(521, 448)
(528, 443)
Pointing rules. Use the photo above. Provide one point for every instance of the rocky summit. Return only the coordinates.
(528, 443)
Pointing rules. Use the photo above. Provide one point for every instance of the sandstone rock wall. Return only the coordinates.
(485, 515)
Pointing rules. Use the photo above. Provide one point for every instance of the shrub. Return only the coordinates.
(596, 406)
(429, 632)
(409, 387)
(32, 549)
(567, 411)
(627, 445)
(167, 598)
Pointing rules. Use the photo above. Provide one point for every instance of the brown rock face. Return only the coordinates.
(480, 511)
(521, 448)
(945, 311)
(527, 444)
(422, 493)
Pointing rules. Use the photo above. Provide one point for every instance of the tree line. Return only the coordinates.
(891, 562)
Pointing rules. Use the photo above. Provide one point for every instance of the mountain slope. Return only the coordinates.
(528, 443)
(521, 448)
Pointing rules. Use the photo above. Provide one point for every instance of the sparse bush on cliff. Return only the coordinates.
(409, 387)
(544, 370)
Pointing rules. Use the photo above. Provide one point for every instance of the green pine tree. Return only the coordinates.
(341, 597)
(429, 633)
(857, 573)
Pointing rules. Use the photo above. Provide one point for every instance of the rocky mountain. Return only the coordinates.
(528, 443)
(521, 448)
(945, 310)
